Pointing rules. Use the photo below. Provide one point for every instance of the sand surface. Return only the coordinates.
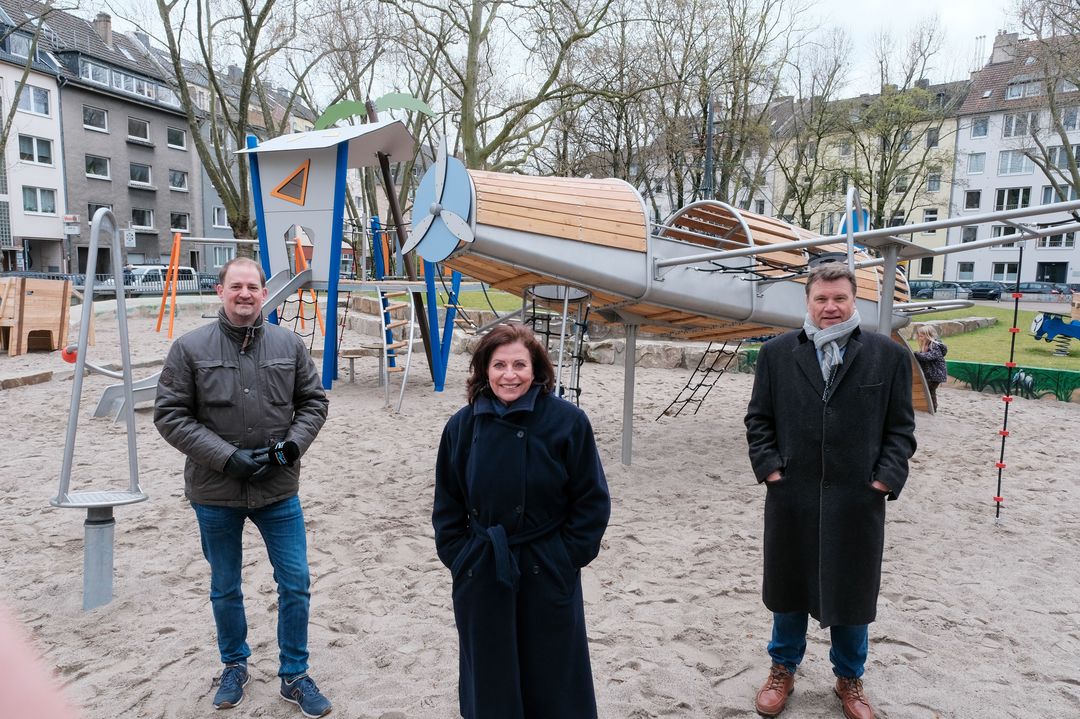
(977, 618)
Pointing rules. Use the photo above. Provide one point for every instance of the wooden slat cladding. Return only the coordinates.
(602, 212)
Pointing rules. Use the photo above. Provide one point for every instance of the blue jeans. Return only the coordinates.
(849, 644)
(282, 527)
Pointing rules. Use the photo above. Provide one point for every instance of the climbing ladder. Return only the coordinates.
(563, 333)
(395, 346)
(713, 363)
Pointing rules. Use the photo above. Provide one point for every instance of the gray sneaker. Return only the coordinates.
(231, 686)
(302, 691)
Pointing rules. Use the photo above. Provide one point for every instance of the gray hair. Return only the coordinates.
(828, 272)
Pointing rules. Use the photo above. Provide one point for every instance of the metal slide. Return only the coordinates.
(280, 287)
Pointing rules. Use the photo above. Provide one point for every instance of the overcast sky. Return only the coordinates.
(962, 20)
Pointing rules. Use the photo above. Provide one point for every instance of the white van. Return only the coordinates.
(150, 279)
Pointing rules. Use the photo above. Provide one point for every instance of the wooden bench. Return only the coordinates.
(367, 350)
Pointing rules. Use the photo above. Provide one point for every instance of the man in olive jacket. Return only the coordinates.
(830, 429)
(241, 398)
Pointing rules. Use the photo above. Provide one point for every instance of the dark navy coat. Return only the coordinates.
(824, 522)
(521, 504)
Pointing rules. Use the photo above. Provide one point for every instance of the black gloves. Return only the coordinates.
(253, 463)
(281, 454)
(243, 465)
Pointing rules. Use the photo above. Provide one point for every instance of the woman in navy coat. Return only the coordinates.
(521, 504)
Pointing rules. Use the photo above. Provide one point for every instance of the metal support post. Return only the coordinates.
(891, 254)
(630, 356)
(98, 557)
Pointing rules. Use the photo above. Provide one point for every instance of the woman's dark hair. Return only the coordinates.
(543, 371)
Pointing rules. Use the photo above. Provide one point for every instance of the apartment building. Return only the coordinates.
(32, 196)
(997, 126)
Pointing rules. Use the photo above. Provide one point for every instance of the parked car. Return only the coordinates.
(986, 290)
(1039, 288)
(1062, 288)
(149, 279)
(935, 289)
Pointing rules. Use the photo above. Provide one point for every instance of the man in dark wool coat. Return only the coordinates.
(830, 428)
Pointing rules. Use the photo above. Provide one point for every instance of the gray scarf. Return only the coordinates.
(830, 340)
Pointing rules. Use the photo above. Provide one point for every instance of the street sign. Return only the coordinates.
(71, 229)
(71, 219)
(129, 238)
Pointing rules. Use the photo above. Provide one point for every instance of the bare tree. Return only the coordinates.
(803, 136)
(474, 44)
(896, 135)
(1055, 25)
(225, 84)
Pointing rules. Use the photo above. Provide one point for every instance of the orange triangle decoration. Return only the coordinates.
(294, 187)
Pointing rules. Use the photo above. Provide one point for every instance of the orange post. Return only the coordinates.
(171, 279)
(301, 265)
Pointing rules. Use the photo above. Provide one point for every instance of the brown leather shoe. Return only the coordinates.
(772, 697)
(852, 699)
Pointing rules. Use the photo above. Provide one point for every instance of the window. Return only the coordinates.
(1020, 124)
(97, 167)
(1012, 198)
(759, 207)
(905, 141)
(179, 222)
(1050, 196)
(933, 182)
(167, 96)
(980, 126)
(969, 234)
(932, 137)
(143, 219)
(132, 84)
(929, 215)
(93, 72)
(898, 218)
(92, 208)
(976, 163)
(34, 99)
(1069, 117)
(965, 270)
(1017, 90)
(1056, 241)
(18, 45)
(220, 218)
(178, 180)
(201, 97)
(972, 199)
(35, 149)
(139, 174)
(901, 185)
(926, 266)
(1059, 156)
(94, 118)
(223, 255)
(1014, 162)
(1004, 271)
(39, 200)
(1003, 231)
(176, 138)
(845, 148)
(138, 129)
(830, 222)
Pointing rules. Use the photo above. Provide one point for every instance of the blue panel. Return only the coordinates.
(260, 216)
(330, 359)
(439, 242)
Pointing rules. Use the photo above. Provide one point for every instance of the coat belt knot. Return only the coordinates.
(507, 572)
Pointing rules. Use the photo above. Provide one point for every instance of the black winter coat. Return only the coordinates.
(521, 504)
(824, 522)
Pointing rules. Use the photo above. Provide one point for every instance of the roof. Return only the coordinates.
(388, 136)
(988, 85)
(67, 33)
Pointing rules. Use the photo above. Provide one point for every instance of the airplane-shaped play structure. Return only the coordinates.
(710, 272)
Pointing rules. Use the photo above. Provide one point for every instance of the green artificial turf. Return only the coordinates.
(992, 343)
